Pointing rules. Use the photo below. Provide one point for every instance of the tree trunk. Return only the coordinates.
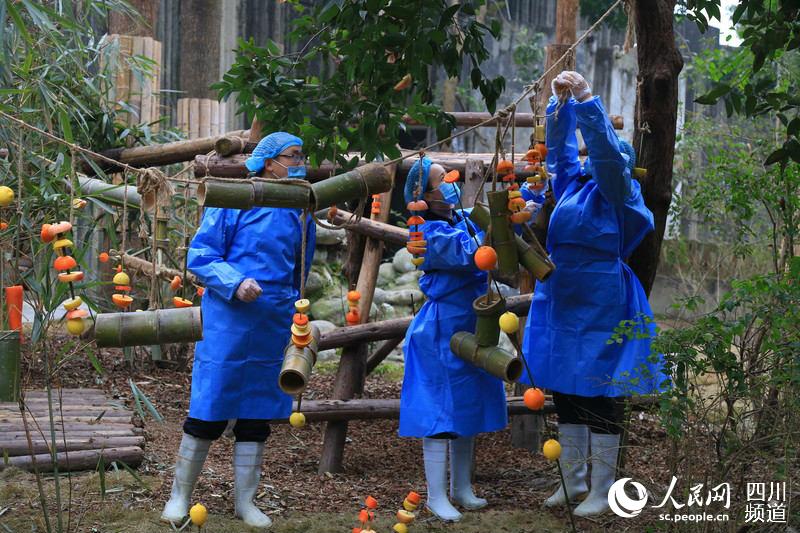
(121, 24)
(655, 124)
(200, 47)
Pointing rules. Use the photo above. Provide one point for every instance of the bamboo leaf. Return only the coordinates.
(101, 470)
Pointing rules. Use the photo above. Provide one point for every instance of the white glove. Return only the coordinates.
(577, 84)
(559, 88)
(532, 207)
(248, 291)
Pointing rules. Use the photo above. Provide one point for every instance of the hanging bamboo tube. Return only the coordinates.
(494, 360)
(487, 327)
(297, 365)
(538, 265)
(502, 234)
(145, 328)
(361, 182)
(9, 366)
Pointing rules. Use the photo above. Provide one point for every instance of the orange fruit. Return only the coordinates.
(122, 301)
(65, 262)
(181, 302)
(371, 502)
(452, 176)
(176, 283)
(533, 399)
(404, 83)
(413, 497)
(485, 258)
(542, 149)
(353, 296)
(103, 257)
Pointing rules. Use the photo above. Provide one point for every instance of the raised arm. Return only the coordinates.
(562, 144)
(208, 251)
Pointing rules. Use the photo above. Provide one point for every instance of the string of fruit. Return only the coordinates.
(66, 266)
(366, 516)
(406, 515)
(353, 317)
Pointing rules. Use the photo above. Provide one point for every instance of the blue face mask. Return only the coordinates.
(450, 192)
(296, 172)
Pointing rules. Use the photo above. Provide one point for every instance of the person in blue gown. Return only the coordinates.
(598, 220)
(445, 400)
(250, 263)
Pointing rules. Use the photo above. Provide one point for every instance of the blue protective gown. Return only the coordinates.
(442, 393)
(236, 365)
(597, 222)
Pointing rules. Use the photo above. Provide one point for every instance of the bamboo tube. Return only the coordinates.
(135, 98)
(183, 115)
(363, 181)
(109, 192)
(146, 112)
(145, 328)
(123, 85)
(229, 145)
(494, 360)
(9, 366)
(216, 128)
(487, 326)
(297, 365)
(194, 118)
(540, 266)
(502, 234)
(204, 123)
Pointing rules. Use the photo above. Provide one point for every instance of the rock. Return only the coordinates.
(386, 311)
(402, 261)
(409, 278)
(329, 309)
(320, 256)
(318, 280)
(397, 356)
(330, 237)
(379, 297)
(386, 274)
(327, 355)
(324, 326)
(405, 297)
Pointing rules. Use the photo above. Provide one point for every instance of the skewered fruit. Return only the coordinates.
(485, 258)
(75, 326)
(302, 306)
(414, 498)
(417, 261)
(505, 167)
(73, 303)
(408, 506)
(176, 283)
(405, 517)
(70, 277)
(533, 399)
(103, 257)
(198, 514)
(509, 322)
(404, 83)
(552, 449)
(6, 196)
(297, 420)
(451, 177)
(400, 528)
(122, 301)
(371, 502)
(65, 262)
(121, 278)
(177, 301)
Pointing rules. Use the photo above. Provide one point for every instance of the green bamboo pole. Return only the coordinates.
(362, 182)
(487, 327)
(494, 360)
(145, 328)
(502, 233)
(297, 365)
(9, 366)
(539, 266)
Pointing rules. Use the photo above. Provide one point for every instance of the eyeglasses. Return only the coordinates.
(296, 157)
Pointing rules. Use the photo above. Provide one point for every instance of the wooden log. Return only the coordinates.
(473, 178)
(78, 460)
(369, 228)
(106, 430)
(43, 421)
(160, 154)
(20, 446)
(382, 353)
(231, 144)
(352, 366)
(396, 327)
(138, 264)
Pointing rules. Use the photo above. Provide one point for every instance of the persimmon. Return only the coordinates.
(65, 262)
(452, 176)
(485, 258)
(533, 399)
(103, 257)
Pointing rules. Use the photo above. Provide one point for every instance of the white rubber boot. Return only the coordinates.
(461, 457)
(574, 440)
(435, 453)
(605, 449)
(247, 458)
(191, 456)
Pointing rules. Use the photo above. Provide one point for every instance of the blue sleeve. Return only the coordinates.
(311, 242)
(608, 165)
(562, 145)
(207, 255)
(450, 248)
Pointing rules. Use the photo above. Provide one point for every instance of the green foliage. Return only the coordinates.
(594, 9)
(365, 47)
(771, 37)
(528, 54)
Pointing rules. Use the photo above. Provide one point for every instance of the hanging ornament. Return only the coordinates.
(353, 317)
(65, 264)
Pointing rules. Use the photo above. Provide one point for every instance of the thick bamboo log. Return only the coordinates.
(20, 446)
(109, 192)
(9, 365)
(396, 327)
(502, 234)
(487, 325)
(159, 154)
(538, 265)
(78, 460)
(493, 359)
(369, 228)
(382, 353)
(231, 145)
(138, 264)
(146, 328)
(361, 182)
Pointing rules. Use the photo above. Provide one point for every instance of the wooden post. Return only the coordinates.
(352, 367)
(473, 177)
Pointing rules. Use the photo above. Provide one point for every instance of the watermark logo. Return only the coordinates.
(622, 504)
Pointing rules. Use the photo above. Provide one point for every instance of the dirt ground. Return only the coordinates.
(377, 463)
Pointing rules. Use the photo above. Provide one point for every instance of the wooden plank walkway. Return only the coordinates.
(87, 425)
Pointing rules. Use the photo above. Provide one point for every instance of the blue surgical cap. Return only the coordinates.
(413, 178)
(626, 148)
(269, 147)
